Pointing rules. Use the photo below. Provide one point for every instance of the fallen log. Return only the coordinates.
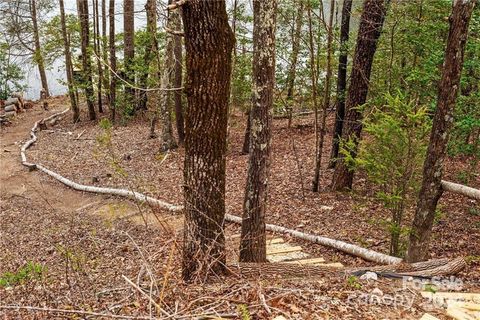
(440, 267)
(461, 189)
(10, 108)
(352, 249)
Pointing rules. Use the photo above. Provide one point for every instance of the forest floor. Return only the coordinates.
(87, 243)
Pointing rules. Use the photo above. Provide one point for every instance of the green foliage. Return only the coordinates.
(30, 271)
(11, 74)
(52, 38)
(244, 313)
(352, 282)
(392, 154)
(73, 260)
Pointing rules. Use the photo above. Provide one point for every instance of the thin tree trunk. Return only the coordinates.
(341, 80)
(129, 54)
(105, 79)
(86, 61)
(431, 189)
(371, 24)
(113, 58)
(292, 71)
(68, 65)
(97, 50)
(167, 141)
(246, 135)
(177, 82)
(326, 100)
(209, 42)
(253, 241)
(313, 77)
(38, 50)
(150, 49)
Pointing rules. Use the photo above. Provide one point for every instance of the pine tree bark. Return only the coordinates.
(431, 189)
(97, 50)
(326, 101)
(208, 42)
(167, 141)
(292, 71)
(253, 242)
(105, 79)
(150, 49)
(129, 54)
(38, 50)
(371, 23)
(82, 6)
(68, 65)
(341, 81)
(113, 58)
(178, 78)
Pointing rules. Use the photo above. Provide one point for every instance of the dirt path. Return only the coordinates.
(17, 181)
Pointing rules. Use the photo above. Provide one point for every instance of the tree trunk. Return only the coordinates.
(209, 42)
(129, 54)
(86, 62)
(104, 51)
(38, 51)
(295, 50)
(431, 189)
(151, 47)
(326, 101)
(313, 77)
(97, 50)
(177, 82)
(113, 57)
(371, 23)
(341, 80)
(68, 65)
(167, 141)
(246, 135)
(253, 242)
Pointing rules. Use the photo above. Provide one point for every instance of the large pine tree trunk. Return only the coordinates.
(86, 61)
(341, 80)
(68, 65)
(113, 58)
(292, 71)
(371, 24)
(38, 50)
(209, 43)
(326, 101)
(129, 54)
(253, 242)
(431, 189)
(178, 78)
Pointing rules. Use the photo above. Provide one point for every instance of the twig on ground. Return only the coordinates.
(82, 312)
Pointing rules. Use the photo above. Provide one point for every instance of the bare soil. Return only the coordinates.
(88, 242)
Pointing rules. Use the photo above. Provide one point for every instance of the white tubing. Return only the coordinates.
(354, 250)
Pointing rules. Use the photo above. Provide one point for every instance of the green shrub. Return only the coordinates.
(30, 271)
(392, 153)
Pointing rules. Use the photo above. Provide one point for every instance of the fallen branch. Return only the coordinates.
(461, 189)
(352, 249)
(431, 268)
(82, 312)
